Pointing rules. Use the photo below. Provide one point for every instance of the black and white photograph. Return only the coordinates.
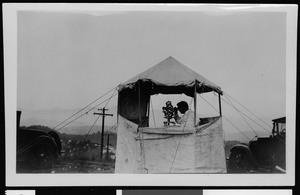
(136, 94)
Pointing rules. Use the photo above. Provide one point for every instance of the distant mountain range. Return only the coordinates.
(52, 118)
(74, 125)
(83, 130)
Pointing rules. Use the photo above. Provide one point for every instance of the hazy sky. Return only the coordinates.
(66, 60)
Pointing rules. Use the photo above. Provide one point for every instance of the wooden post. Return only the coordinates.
(107, 146)
(220, 107)
(102, 134)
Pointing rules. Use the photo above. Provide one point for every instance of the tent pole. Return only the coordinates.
(148, 111)
(195, 102)
(220, 107)
(119, 105)
(140, 114)
(118, 108)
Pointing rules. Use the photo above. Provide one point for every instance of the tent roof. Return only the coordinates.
(172, 73)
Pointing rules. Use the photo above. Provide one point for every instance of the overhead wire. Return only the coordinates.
(33, 143)
(85, 113)
(38, 141)
(249, 118)
(84, 108)
(255, 122)
(112, 127)
(93, 125)
(112, 95)
(231, 104)
(241, 113)
(248, 110)
(100, 115)
(242, 117)
(226, 119)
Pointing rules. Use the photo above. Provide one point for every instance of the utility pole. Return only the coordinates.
(107, 146)
(102, 134)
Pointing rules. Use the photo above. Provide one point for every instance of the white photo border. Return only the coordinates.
(10, 75)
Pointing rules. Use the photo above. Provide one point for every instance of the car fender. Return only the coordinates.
(244, 148)
(49, 140)
(57, 141)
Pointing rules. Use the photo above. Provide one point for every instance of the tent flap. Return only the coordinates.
(129, 107)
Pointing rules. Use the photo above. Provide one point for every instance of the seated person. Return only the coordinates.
(187, 119)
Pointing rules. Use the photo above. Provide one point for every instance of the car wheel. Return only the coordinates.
(238, 162)
(41, 157)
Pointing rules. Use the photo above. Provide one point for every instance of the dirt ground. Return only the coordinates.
(84, 167)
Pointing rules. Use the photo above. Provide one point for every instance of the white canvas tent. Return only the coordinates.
(170, 149)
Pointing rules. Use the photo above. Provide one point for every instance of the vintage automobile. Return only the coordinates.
(262, 154)
(37, 148)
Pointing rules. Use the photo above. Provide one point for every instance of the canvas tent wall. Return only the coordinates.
(169, 150)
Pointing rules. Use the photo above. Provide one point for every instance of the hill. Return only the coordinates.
(83, 130)
(82, 125)
(53, 117)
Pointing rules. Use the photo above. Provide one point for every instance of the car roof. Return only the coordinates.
(279, 120)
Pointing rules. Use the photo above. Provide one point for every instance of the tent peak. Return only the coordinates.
(171, 58)
(172, 74)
